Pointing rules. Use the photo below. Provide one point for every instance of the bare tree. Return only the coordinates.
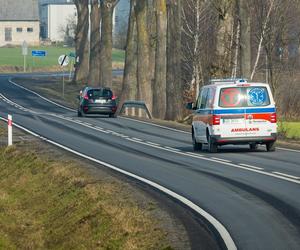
(159, 88)
(224, 36)
(174, 81)
(94, 74)
(82, 42)
(107, 8)
(143, 54)
(245, 38)
(129, 86)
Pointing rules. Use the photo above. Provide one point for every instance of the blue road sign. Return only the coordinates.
(38, 53)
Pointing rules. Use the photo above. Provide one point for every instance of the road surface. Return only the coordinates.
(250, 199)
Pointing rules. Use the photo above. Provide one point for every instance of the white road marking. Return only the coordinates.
(173, 149)
(152, 143)
(193, 155)
(122, 117)
(213, 221)
(155, 125)
(219, 159)
(44, 98)
(287, 175)
(250, 166)
(288, 149)
(136, 139)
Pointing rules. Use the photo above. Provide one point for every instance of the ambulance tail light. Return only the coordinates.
(216, 120)
(273, 118)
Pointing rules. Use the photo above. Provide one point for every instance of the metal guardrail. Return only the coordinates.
(137, 105)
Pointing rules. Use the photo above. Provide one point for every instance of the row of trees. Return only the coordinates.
(174, 47)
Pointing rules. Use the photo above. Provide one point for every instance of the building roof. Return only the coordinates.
(19, 10)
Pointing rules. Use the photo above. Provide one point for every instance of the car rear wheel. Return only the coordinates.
(79, 113)
(270, 146)
(253, 146)
(212, 146)
(196, 145)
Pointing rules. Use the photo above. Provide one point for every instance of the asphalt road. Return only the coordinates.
(254, 195)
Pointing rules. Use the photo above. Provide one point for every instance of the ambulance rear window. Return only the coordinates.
(244, 97)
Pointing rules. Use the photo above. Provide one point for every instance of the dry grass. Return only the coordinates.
(47, 203)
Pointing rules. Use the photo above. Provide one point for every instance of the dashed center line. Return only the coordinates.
(279, 175)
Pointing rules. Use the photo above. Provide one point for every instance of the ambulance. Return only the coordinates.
(234, 111)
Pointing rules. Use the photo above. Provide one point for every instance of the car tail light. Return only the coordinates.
(85, 108)
(216, 120)
(114, 97)
(114, 109)
(273, 118)
(86, 97)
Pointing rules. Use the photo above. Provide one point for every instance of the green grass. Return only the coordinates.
(291, 130)
(13, 56)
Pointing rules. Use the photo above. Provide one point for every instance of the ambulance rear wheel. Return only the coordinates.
(270, 146)
(212, 146)
(196, 145)
(253, 146)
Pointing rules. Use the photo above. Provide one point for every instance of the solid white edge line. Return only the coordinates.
(44, 98)
(155, 125)
(121, 117)
(288, 149)
(213, 221)
(174, 150)
(219, 159)
(287, 175)
(250, 166)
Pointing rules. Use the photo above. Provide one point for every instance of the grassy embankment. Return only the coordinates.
(290, 130)
(46, 203)
(11, 59)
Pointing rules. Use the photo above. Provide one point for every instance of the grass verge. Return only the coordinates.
(290, 130)
(11, 59)
(51, 203)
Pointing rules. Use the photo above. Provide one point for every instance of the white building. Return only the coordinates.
(55, 18)
(19, 21)
(55, 15)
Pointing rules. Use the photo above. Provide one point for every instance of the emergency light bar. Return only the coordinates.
(229, 81)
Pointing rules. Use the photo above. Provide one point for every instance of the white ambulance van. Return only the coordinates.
(234, 111)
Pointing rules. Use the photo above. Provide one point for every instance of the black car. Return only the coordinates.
(97, 101)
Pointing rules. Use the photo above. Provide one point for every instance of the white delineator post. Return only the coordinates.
(9, 128)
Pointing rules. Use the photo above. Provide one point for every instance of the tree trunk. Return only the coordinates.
(94, 75)
(107, 7)
(225, 21)
(174, 82)
(82, 42)
(159, 88)
(129, 88)
(245, 39)
(143, 49)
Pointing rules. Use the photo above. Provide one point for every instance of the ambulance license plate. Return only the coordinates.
(233, 121)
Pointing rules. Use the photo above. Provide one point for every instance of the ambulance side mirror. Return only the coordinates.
(190, 106)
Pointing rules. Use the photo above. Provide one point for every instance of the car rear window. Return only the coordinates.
(99, 93)
(244, 97)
